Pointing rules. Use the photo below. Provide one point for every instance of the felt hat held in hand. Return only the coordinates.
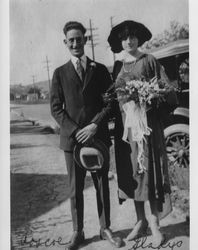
(92, 156)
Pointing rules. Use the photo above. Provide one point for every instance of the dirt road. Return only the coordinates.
(40, 207)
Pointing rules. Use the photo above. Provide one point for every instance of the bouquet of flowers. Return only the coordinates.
(141, 91)
(136, 96)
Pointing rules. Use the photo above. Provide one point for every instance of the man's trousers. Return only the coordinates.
(76, 176)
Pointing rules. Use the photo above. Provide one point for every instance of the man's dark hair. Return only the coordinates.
(73, 25)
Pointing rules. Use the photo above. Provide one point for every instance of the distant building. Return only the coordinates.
(17, 97)
(32, 97)
(24, 97)
(44, 95)
(18, 92)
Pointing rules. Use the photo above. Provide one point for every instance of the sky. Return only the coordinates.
(36, 29)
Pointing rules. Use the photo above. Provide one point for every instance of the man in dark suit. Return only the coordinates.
(77, 105)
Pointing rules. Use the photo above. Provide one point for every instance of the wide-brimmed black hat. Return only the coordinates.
(92, 156)
(142, 33)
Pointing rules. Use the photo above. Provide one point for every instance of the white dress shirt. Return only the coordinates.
(83, 60)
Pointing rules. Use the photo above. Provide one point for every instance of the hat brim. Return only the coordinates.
(97, 144)
(142, 33)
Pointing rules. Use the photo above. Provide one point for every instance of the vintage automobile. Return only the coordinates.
(175, 59)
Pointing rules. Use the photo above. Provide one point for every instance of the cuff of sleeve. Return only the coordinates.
(74, 132)
(96, 120)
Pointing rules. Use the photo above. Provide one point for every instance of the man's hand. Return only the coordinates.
(86, 133)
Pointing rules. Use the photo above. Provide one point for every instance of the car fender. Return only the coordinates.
(181, 111)
(184, 128)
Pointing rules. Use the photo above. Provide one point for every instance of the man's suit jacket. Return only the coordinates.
(74, 106)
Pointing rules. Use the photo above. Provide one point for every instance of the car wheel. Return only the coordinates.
(177, 148)
(177, 144)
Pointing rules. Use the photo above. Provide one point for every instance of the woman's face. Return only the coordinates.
(130, 44)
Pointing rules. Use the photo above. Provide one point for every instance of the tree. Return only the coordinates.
(175, 32)
(35, 90)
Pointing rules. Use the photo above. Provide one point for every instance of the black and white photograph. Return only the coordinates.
(99, 137)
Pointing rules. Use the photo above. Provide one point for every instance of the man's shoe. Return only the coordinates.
(106, 234)
(76, 240)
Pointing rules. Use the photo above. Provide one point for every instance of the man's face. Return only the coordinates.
(75, 42)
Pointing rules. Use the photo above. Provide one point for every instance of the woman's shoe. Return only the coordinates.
(139, 230)
(157, 237)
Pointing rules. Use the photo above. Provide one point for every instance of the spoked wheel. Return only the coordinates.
(177, 145)
(177, 148)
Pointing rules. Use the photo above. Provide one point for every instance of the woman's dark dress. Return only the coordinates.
(153, 184)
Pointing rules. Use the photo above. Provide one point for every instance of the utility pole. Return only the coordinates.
(33, 81)
(92, 44)
(47, 67)
(111, 20)
(91, 38)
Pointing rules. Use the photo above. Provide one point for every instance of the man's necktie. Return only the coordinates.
(80, 69)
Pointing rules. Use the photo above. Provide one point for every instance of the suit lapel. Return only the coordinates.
(89, 73)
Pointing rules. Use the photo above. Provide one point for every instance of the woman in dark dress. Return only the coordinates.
(153, 184)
